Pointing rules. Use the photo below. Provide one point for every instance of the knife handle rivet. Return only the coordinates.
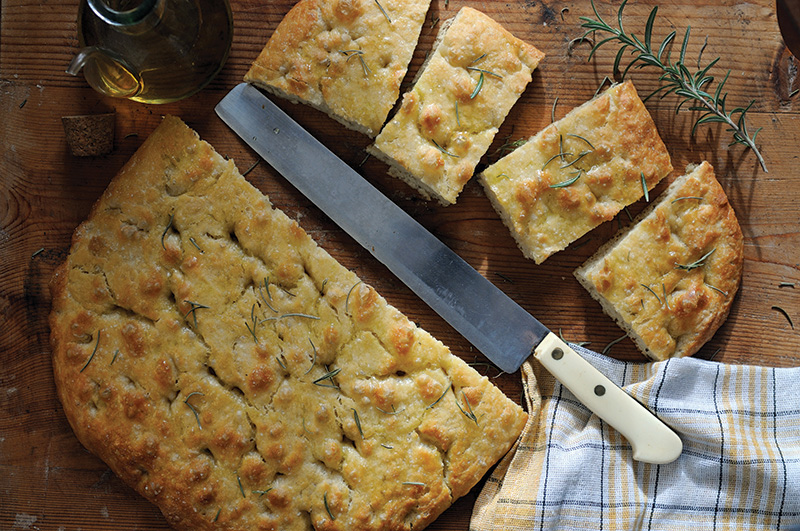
(599, 390)
(557, 354)
(276, 130)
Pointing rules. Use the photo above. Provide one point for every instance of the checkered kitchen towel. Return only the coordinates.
(740, 466)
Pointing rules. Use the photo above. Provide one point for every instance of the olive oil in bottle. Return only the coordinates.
(153, 51)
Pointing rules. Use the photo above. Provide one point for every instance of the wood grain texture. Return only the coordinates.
(51, 482)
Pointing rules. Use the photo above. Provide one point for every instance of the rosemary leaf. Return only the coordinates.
(313, 361)
(116, 353)
(645, 286)
(725, 293)
(478, 87)
(484, 71)
(564, 184)
(415, 483)
(392, 412)
(468, 412)
(252, 331)
(262, 492)
(553, 110)
(575, 160)
(327, 376)
(251, 168)
(389, 21)
(443, 150)
(358, 422)
(191, 407)
(347, 299)
(644, 189)
(241, 489)
(700, 262)
(438, 399)
(612, 343)
(480, 58)
(579, 137)
(786, 285)
(785, 314)
(561, 154)
(687, 197)
(164, 234)
(325, 495)
(193, 242)
(94, 351)
(194, 307)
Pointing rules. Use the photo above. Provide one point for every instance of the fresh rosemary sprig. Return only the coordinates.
(677, 78)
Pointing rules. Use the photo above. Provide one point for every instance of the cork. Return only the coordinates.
(89, 135)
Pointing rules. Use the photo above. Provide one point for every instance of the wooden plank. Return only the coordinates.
(51, 482)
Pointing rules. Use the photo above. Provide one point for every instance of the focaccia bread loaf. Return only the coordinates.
(578, 172)
(237, 376)
(463, 93)
(669, 278)
(346, 58)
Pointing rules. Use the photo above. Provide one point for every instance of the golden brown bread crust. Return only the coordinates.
(608, 143)
(448, 119)
(344, 57)
(238, 377)
(670, 278)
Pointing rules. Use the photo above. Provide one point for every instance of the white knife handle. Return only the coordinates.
(652, 441)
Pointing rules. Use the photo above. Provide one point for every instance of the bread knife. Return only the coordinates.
(496, 325)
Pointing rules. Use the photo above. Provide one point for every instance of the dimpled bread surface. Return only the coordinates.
(238, 377)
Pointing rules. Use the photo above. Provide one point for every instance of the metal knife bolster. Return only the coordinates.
(496, 325)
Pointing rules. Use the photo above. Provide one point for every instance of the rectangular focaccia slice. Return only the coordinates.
(346, 58)
(578, 172)
(670, 277)
(447, 121)
(237, 376)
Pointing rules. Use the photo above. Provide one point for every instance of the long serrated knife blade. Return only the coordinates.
(502, 330)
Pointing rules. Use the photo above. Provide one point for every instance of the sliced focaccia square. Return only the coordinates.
(669, 278)
(578, 172)
(343, 57)
(237, 376)
(447, 121)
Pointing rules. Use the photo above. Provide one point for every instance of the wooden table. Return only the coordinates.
(50, 482)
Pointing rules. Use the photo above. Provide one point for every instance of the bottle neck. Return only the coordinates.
(144, 14)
